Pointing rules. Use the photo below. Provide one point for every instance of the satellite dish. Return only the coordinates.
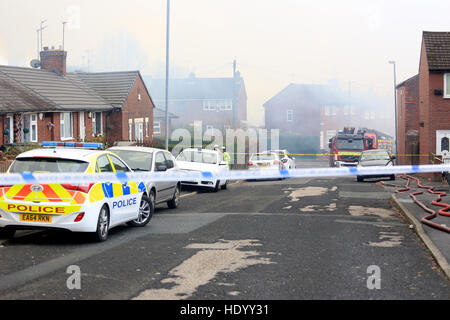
(35, 63)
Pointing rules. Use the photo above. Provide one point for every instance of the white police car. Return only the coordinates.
(91, 207)
(203, 160)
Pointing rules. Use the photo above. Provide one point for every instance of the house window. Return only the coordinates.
(66, 125)
(157, 127)
(97, 123)
(446, 85)
(29, 127)
(444, 144)
(289, 115)
(209, 105)
(226, 105)
(33, 128)
(147, 132)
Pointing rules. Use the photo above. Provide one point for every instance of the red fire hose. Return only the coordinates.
(437, 202)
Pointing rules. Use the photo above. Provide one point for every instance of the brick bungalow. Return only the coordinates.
(424, 101)
(50, 104)
(220, 103)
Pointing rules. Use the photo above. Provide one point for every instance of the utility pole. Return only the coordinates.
(167, 74)
(233, 103)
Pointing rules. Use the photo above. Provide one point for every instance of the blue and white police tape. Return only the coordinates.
(185, 175)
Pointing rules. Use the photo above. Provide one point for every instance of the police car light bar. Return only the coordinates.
(85, 145)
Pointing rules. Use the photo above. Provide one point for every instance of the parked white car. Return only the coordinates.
(153, 160)
(203, 160)
(287, 161)
(265, 161)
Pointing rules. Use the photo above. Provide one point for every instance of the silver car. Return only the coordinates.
(375, 157)
(153, 160)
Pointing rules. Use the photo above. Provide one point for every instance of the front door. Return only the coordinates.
(442, 141)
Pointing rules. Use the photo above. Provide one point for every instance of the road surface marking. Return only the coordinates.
(388, 240)
(202, 267)
(296, 194)
(359, 211)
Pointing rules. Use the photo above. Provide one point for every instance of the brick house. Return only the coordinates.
(322, 110)
(50, 104)
(408, 120)
(159, 122)
(424, 100)
(220, 103)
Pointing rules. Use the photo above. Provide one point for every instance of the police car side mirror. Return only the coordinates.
(161, 168)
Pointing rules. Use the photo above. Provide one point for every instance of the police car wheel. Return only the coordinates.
(102, 225)
(173, 204)
(216, 188)
(225, 186)
(146, 209)
(6, 233)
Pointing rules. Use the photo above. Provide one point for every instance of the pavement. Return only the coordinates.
(437, 241)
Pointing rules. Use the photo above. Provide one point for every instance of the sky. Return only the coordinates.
(275, 42)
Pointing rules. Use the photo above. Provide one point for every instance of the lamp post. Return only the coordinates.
(167, 75)
(395, 101)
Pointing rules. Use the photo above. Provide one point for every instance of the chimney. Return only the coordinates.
(54, 59)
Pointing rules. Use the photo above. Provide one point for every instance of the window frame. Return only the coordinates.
(157, 132)
(62, 125)
(94, 123)
(291, 113)
(446, 84)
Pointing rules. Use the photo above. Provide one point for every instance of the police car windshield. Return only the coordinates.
(198, 156)
(350, 144)
(36, 164)
(137, 160)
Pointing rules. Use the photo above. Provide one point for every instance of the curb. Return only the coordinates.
(435, 252)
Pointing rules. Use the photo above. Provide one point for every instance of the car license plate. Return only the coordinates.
(263, 164)
(36, 218)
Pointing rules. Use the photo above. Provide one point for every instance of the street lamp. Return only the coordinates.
(395, 101)
(167, 75)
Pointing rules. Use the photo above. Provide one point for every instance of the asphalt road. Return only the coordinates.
(290, 239)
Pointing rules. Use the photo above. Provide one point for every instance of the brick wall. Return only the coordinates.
(407, 116)
(54, 59)
(135, 109)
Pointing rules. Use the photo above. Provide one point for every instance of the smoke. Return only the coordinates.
(3, 51)
(118, 52)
